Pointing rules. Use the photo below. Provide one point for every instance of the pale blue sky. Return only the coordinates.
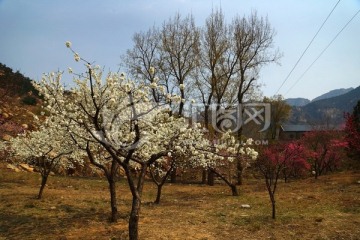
(33, 35)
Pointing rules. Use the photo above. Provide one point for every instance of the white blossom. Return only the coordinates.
(68, 44)
(152, 70)
(76, 57)
(153, 85)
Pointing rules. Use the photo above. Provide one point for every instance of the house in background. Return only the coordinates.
(292, 132)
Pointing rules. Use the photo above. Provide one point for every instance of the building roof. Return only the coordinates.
(296, 128)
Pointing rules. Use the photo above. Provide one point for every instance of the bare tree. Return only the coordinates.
(217, 68)
(144, 57)
(180, 44)
(254, 39)
(221, 61)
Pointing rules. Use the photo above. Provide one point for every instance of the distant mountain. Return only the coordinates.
(298, 102)
(329, 111)
(333, 93)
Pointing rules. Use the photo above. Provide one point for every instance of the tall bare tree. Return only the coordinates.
(254, 43)
(222, 61)
(217, 66)
(180, 45)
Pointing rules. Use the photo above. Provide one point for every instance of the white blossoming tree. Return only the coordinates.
(47, 148)
(116, 115)
(183, 154)
(228, 153)
(219, 156)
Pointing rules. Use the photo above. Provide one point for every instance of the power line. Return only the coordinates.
(323, 51)
(297, 62)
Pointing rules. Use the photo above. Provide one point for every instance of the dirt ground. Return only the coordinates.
(78, 208)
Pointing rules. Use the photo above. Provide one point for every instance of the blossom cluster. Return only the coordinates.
(50, 143)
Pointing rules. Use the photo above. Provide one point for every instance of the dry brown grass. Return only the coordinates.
(78, 208)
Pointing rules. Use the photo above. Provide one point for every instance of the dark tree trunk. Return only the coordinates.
(43, 183)
(232, 186)
(211, 178)
(240, 169)
(271, 191)
(273, 208)
(203, 177)
(110, 176)
(136, 191)
(239, 172)
(160, 183)
(207, 174)
(173, 176)
(206, 116)
(158, 195)
(234, 190)
(160, 186)
(112, 188)
(286, 176)
(134, 218)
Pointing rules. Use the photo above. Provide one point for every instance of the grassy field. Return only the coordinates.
(78, 208)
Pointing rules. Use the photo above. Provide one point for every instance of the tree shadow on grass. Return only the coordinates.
(48, 223)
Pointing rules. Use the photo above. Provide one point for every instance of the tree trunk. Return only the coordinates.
(136, 191)
(232, 186)
(173, 176)
(112, 188)
(134, 218)
(158, 195)
(285, 177)
(234, 190)
(206, 173)
(161, 183)
(239, 167)
(239, 172)
(271, 192)
(43, 183)
(273, 208)
(203, 177)
(211, 178)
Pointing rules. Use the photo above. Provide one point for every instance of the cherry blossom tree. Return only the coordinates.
(273, 160)
(352, 131)
(324, 149)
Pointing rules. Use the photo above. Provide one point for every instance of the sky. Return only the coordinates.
(33, 35)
